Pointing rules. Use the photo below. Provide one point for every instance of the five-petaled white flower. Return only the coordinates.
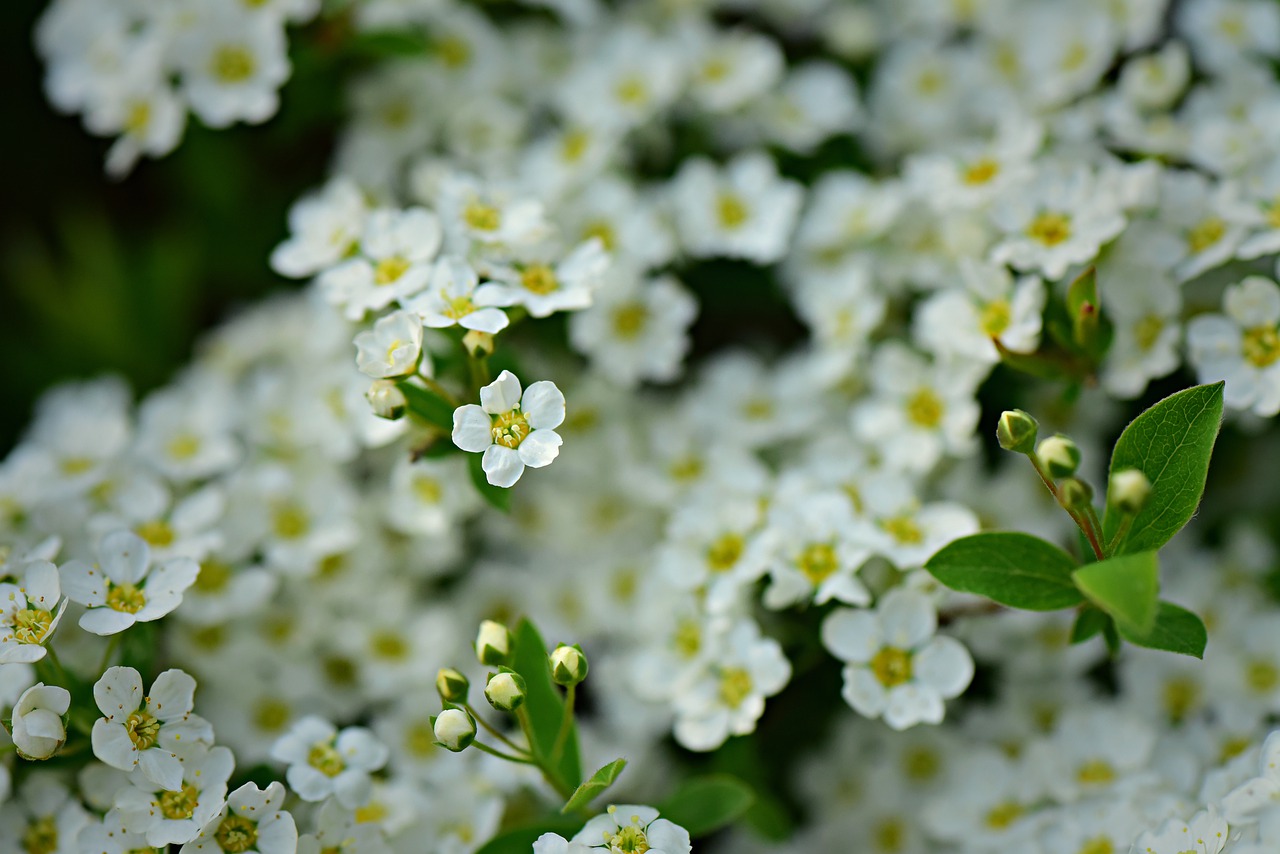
(123, 588)
(29, 612)
(324, 762)
(512, 430)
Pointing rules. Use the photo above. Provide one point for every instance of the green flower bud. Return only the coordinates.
(568, 665)
(1059, 455)
(454, 729)
(505, 691)
(1128, 491)
(1017, 431)
(387, 400)
(452, 685)
(1075, 494)
(493, 644)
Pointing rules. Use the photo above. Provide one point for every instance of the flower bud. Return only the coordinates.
(568, 665)
(454, 729)
(1059, 455)
(452, 685)
(38, 732)
(493, 644)
(505, 691)
(1129, 490)
(1017, 431)
(387, 400)
(478, 344)
(1075, 494)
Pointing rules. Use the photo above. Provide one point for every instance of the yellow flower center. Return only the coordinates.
(632, 90)
(138, 118)
(930, 82)
(574, 144)
(233, 64)
(510, 428)
(724, 552)
(996, 317)
(1272, 212)
(981, 171)
(236, 834)
(731, 210)
(126, 598)
(76, 465)
(482, 217)
(184, 446)
(1180, 696)
(176, 806)
(214, 576)
(925, 409)
(388, 645)
(420, 739)
(903, 529)
(290, 521)
(453, 52)
(271, 715)
(325, 758)
(1261, 676)
(388, 270)
(458, 307)
(629, 320)
(921, 764)
(602, 230)
(735, 686)
(539, 279)
(1095, 772)
(1146, 332)
(1002, 815)
(628, 840)
(143, 729)
(1050, 228)
(31, 625)
(891, 666)
(818, 562)
(1098, 845)
(1206, 233)
(889, 835)
(427, 489)
(1261, 345)
(157, 532)
(688, 638)
(41, 836)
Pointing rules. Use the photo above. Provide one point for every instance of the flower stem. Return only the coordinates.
(494, 731)
(1082, 522)
(566, 723)
(498, 753)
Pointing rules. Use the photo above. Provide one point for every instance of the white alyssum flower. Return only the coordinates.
(896, 668)
(454, 296)
(544, 288)
(324, 762)
(743, 211)
(30, 611)
(123, 588)
(36, 725)
(1205, 833)
(511, 429)
(816, 548)
(147, 731)
(324, 227)
(394, 261)
(1242, 346)
(252, 822)
(622, 828)
(392, 348)
(175, 817)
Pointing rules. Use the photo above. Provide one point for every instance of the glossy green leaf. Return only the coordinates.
(520, 840)
(703, 805)
(594, 785)
(545, 708)
(1175, 630)
(427, 406)
(496, 496)
(1171, 444)
(1089, 622)
(1125, 587)
(1014, 569)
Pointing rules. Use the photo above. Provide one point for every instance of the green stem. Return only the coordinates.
(566, 723)
(479, 368)
(498, 753)
(63, 677)
(543, 765)
(494, 731)
(1126, 521)
(111, 648)
(440, 390)
(1082, 522)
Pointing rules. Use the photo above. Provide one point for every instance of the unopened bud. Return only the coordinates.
(1129, 490)
(454, 729)
(1017, 431)
(1059, 455)
(493, 644)
(478, 343)
(505, 691)
(568, 665)
(387, 400)
(452, 685)
(1075, 494)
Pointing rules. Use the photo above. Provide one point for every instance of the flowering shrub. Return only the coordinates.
(701, 340)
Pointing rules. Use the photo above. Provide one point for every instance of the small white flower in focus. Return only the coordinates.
(391, 348)
(895, 666)
(629, 827)
(29, 612)
(251, 821)
(123, 588)
(396, 250)
(545, 288)
(324, 761)
(36, 727)
(176, 817)
(513, 430)
(454, 297)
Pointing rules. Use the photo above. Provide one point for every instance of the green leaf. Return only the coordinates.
(496, 496)
(1089, 622)
(545, 708)
(520, 840)
(1125, 587)
(1014, 569)
(703, 805)
(1171, 444)
(1175, 630)
(427, 406)
(594, 785)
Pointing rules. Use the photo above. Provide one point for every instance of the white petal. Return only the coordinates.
(501, 395)
(502, 465)
(472, 428)
(911, 704)
(539, 448)
(543, 403)
(863, 692)
(112, 745)
(124, 557)
(172, 695)
(309, 783)
(119, 692)
(491, 320)
(852, 635)
(161, 767)
(945, 666)
(907, 618)
(83, 583)
(106, 621)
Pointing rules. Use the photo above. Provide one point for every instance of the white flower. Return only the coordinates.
(123, 588)
(512, 430)
(396, 250)
(1246, 803)
(233, 64)
(324, 228)
(816, 548)
(1144, 307)
(392, 347)
(175, 817)
(895, 666)
(36, 726)
(629, 828)
(1206, 833)
(29, 612)
(743, 211)
(252, 822)
(452, 297)
(324, 762)
(545, 288)
(962, 323)
(1242, 346)
(147, 731)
